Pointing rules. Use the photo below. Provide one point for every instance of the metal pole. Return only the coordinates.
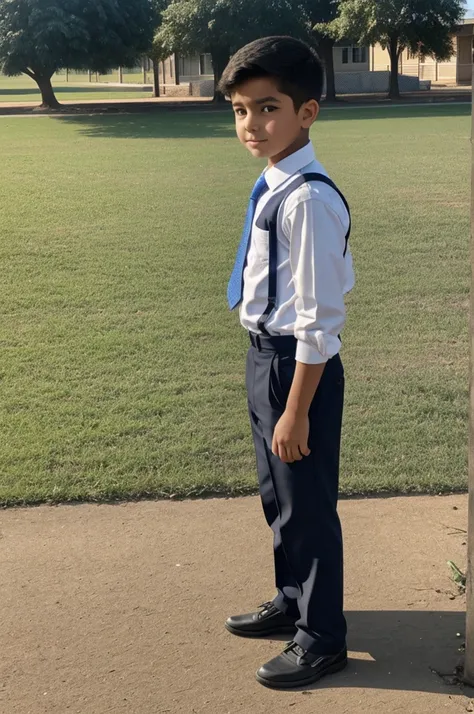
(469, 660)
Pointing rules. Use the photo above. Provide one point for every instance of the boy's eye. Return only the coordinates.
(240, 112)
(269, 109)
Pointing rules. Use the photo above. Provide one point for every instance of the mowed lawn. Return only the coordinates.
(24, 89)
(122, 372)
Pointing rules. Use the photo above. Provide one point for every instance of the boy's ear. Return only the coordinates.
(309, 113)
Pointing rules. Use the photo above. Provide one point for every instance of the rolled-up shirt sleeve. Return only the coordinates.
(317, 241)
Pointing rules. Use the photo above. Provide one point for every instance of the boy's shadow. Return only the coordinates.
(404, 650)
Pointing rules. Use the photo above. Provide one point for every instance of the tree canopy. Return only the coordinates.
(39, 38)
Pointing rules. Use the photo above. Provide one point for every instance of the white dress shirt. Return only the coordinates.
(313, 274)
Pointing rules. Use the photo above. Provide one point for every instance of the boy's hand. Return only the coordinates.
(290, 438)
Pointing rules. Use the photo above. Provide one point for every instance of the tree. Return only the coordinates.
(222, 26)
(424, 26)
(321, 14)
(38, 38)
(158, 52)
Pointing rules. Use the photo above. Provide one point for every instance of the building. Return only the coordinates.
(350, 58)
(191, 75)
(195, 74)
(457, 70)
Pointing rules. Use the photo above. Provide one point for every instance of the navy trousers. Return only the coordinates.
(300, 499)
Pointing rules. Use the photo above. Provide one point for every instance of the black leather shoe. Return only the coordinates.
(269, 621)
(296, 667)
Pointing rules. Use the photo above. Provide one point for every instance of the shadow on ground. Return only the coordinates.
(160, 125)
(197, 122)
(400, 650)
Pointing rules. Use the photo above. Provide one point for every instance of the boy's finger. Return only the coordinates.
(305, 451)
(274, 446)
(296, 454)
(283, 454)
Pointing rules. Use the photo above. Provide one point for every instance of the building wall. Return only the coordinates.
(464, 59)
(195, 67)
(366, 82)
(167, 71)
(379, 61)
(411, 65)
(349, 58)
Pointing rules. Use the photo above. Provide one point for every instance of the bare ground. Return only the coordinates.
(120, 609)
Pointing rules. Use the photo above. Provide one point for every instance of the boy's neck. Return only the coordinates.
(300, 142)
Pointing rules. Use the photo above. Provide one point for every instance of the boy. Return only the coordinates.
(292, 270)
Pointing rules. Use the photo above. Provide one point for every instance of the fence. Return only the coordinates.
(372, 83)
(122, 75)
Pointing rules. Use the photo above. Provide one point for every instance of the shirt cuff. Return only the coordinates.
(308, 354)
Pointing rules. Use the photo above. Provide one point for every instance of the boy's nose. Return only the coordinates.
(251, 125)
(252, 128)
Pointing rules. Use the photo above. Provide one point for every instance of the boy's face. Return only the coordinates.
(267, 122)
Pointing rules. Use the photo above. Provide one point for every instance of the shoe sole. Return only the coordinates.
(261, 633)
(303, 682)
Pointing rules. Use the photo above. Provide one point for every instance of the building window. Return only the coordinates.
(354, 55)
(205, 64)
(359, 55)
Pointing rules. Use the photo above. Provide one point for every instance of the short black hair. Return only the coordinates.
(294, 65)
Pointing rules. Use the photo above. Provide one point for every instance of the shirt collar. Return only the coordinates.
(283, 170)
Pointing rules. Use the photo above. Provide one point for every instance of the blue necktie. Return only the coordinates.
(236, 282)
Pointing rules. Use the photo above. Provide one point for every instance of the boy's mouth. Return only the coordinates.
(256, 142)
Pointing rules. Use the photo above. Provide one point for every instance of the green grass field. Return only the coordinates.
(24, 89)
(122, 371)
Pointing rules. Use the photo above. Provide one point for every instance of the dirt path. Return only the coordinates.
(120, 609)
(438, 95)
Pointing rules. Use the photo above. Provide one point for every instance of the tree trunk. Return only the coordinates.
(220, 59)
(156, 78)
(46, 89)
(326, 48)
(394, 90)
(177, 73)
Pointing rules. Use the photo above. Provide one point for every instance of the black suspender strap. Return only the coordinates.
(269, 217)
(272, 274)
